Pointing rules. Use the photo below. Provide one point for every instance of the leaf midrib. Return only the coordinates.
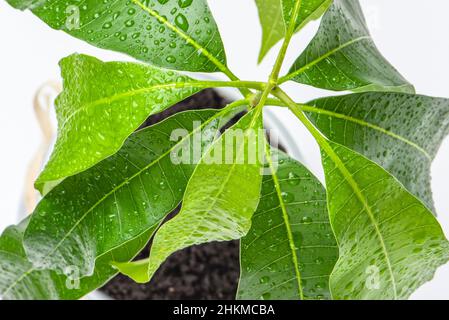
(286, 219)
(131, 93)
(354, 186)
(317, 110)
(313, 14)
(321, 58)
(183, 35)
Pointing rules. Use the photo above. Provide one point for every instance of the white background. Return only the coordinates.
(412, 34)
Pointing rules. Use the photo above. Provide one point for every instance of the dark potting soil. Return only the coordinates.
(209, 271)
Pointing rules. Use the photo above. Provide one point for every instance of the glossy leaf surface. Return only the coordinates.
(175, 34)
(342, 56)
(400, 132)
(272, 23)
(271, 15)
(101, 105)
(309, 10)
(93, 212)
(219, 201)
(390, 243)
(290, 250)
(20, 281)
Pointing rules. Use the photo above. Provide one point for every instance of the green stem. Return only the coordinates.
(288, 36)
(293, 106)
(273, 79)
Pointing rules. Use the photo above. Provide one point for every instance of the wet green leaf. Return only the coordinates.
(290, 250)
(20, 281)
(342, 56)
(400, 132)
(93, 212)
(390, 243)
(219, 201)
(271, 15)
(101, 105)
(309, 10)
(273, 26)
(175, 34)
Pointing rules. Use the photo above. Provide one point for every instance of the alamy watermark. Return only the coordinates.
(372, 278)
(235, 147)
(73, 17)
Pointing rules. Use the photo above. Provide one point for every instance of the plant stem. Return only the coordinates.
(273, 79)
(293, 106)
(288, 36)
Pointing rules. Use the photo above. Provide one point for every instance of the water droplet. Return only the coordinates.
(287, 197)
(184, 3)
(293, 179)
(181, 22)
(171, 59)
(129, 23)
(306, 220)
(264, 279)
(266, 296)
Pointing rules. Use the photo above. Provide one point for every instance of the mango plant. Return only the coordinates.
(370, 232)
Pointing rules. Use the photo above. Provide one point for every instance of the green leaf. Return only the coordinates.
(290, 250)
(271, 14)
(400, 132)
(20, 281)
(219, 201)
(342, 56)
(309, 10)
(390, 243)
(175, 34)
(121, 197)
(101, 105)
(273, 26)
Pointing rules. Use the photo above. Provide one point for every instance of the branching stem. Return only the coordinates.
(288, 36)
(273, 79)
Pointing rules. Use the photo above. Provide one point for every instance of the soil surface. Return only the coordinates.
(209, 271)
